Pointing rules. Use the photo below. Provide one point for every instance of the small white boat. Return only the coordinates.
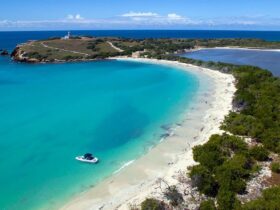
(87, 158)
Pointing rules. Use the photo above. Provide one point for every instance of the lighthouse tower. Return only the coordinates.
(67, 36)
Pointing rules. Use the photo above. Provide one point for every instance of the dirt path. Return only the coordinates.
(55, 48)
(115, 47)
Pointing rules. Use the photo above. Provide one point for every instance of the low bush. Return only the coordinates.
(207, 205)
(173, 196)
(204, 180)
(152, 204)
(270, 200)
(227, 200)
(275, 167)
(259, 153)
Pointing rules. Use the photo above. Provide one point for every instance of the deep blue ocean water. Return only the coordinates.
(269, 60)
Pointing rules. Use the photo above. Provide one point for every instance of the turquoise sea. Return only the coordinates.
(51, 113)
(117, 110)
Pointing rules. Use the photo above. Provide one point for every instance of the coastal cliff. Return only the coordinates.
(21, 56)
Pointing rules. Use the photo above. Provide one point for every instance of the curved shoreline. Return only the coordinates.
(241, 48)
(170, 157)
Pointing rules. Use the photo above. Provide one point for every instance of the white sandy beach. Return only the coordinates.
(233, 48)
(172, 156)
(245, 48)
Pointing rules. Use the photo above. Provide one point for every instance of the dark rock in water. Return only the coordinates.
(4, 52)
(165, 135)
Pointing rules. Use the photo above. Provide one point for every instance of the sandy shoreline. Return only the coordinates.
(172, 156)
(244, 48)
(231, 48)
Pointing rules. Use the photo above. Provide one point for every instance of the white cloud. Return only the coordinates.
(140, 14)
(144, 20)
(74, 17)
(151, 18)
(174, 16)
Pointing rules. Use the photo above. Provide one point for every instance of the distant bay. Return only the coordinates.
(266, 59)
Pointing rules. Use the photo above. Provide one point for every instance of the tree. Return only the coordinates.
(226, 200)
(204, 180)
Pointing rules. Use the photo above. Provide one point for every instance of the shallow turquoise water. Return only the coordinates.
(51, 113)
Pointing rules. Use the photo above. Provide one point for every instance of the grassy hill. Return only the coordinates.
(85, 48)
(57, 49)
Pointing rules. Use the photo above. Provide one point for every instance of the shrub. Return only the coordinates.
(232, 173)
(218, 149)
(275, 167)
(70, 57)
(203, 180)
(173, 196)
(226, 200)
(209, 155)
(259, 153)
(269, 201)
(207, 205)
(152, 204)
(241, 124)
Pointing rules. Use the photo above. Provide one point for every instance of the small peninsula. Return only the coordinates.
(84, 48)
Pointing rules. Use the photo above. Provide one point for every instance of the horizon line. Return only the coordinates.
(44, 30)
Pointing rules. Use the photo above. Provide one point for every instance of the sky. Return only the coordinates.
(139, 14)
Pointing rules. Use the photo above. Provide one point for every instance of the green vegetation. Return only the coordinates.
(270, 200)
(173, 196)
(224, 167)
(225, 161)
(259, 153)
(152, 204)
(76, 48)
(207, 205)
(87, 47)
(157, 47)
(252, 43)
(275, 167)
(258, 100)
(35, 50)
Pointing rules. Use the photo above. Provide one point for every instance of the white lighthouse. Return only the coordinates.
(67, 36)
